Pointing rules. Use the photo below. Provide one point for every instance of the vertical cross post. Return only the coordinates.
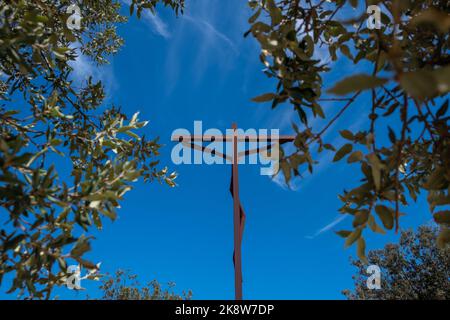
(236, 218)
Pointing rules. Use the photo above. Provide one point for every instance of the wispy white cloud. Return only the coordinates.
(156, 24)
(294, 183)
(211, 32)
(213, 47)
(328, 227)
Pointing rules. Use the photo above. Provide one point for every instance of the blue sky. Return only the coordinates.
(200, 67)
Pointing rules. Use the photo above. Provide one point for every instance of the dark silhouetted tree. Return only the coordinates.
(125, 286)
(413, 269)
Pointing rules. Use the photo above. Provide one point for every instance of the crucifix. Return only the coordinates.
(238, 212)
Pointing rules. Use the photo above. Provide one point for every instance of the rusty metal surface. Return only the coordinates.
(237, 257)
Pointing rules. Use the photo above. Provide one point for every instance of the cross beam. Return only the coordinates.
(229, 138)
(238, 211)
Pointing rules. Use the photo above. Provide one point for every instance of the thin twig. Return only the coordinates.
(350, 101)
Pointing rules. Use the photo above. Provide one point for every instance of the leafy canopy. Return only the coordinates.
(47, 122)
(408, 81)
(415, 268)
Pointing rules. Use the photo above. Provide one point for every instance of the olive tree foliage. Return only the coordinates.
(124, 285)
(415, 268)
(50, 122)
(404, 69)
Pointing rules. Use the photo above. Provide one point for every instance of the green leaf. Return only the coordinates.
(286, 169)
(264, 97)
(386, 216)
(355, 156)
(439, 19)
(109, 213)
(442, 77)
(361, 217)
(423, 84)
(391, 109)
(419, 84)
(347, 134)
(442, 217)
(342, 152)
(55, 142)
(374, 226)
(255, 16)
(87, 264)
(391, 134)
(361, 250)
(124, 129)
(356, 83)
(343, 233)
(133, 135)
(80, 247)
(436, 180)
(376, 167)
(12, 243)
(354, 3)
(260, 27)
(346, 51)
(443, 238)
(62, 264)
(353, 237)
(131, 9)
(96, 197)
(275, 12)
(309, 45)
(317, 109)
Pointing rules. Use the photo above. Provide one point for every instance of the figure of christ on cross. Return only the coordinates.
(238, 212)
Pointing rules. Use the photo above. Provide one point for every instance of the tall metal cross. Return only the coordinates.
(238, 211)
